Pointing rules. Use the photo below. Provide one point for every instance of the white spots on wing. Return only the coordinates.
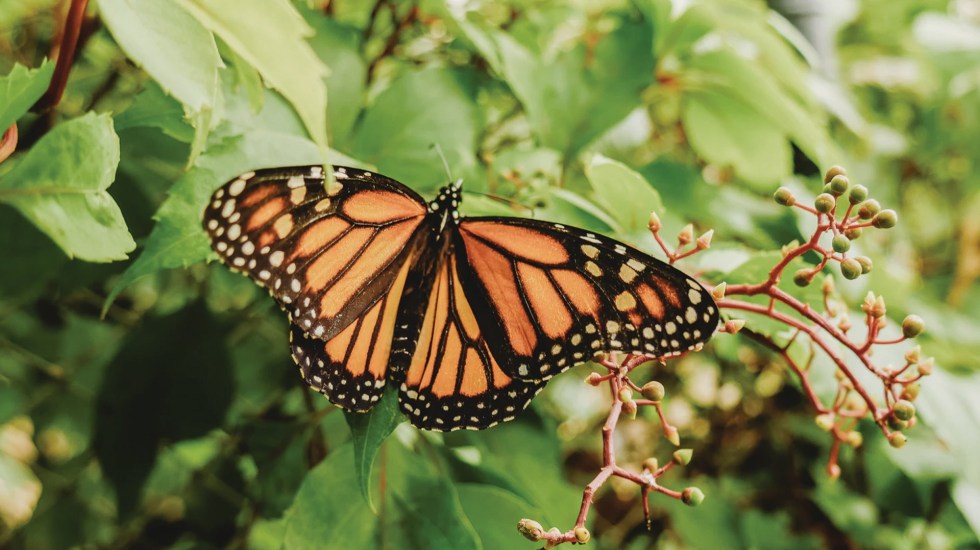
(221, 246)
(593, 268)
(291, 268)
(625, 301)
(295, 182)
(648, 333)
(612, 327)
(234, 232)
(671, 327)
(212, 224)
(297, 195)
(276, 258)
(236, 187)
(248, 248)
(690, 315)
(576, 339)
(590, 251)
(334, 188)
(620, 249)
(238, 262)
(322, 205)
(228, 208)
(264, 274)
(627, 273)
(694, 296)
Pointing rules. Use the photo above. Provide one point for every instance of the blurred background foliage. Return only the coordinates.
(177, 419)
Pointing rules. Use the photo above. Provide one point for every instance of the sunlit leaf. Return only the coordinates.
(369, 431)
(20, 88)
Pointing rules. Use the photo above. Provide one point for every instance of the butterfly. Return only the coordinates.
(467, 316)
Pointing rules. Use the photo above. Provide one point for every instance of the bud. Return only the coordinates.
(704, 241)
(802, 277)
(651, 465)
(719, 291)
(845, 323)
(866, 264)
(732, 326)
(825, 421)
(671, 434)
(913, 354)
(824, 203)
(625, 395)
(531, 529)
(686, 235)
(833, 172)
(692, 496)
(886, 219)
(911, 391)
(855, 439)
(850, 269)
(853, 233)
(897, 439)
(784, 197)
(654, 391)
(593, 379)
(682, 457)
(833, 470)
(868, 209)
(838, 185)
(904, 410)
(859, 194)
(629, 408)
(841, 243)
(912, 326)
(878, 310)
(925, 366)
(654, 223)
(827, 286)
(582, 535)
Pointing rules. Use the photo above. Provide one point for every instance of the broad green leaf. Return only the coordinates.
(724, 130)
(170, 45)
(60, 185)
(491, 508)
(328, 511)
(155, 109)
(430, 514)
(285, 60)
(623, 192)
(399, 140)
(20, 89)
(369, 431)
(339, 47)
(178, 239)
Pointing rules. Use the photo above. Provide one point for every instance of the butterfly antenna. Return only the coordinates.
(506, 200)
(445, 165)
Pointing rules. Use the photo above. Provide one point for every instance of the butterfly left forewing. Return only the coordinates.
(550, 296)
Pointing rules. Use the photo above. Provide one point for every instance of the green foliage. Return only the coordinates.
(152, 402)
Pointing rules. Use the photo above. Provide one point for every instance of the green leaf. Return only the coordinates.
(339, 47)
(623, 192)
(178, 239)
(431, 516)
(489, 508)
(153, 108)
(60, 185)
(399, 140)
(170, 45)
(285, 60)
(368, 431)
(327, 512)
(20, 89)
(724, 130)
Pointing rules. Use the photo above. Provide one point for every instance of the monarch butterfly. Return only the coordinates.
(469, 317)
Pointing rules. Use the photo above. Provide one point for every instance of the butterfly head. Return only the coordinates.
(446, 203)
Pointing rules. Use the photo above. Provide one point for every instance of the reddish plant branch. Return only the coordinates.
(66, 55)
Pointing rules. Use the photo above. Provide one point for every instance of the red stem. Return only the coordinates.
(66, 56)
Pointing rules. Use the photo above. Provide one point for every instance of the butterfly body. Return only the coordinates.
(469, 317)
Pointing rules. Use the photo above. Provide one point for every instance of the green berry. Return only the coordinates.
(912, 326)
(824, 203)
(833, 172)
(897, 439)
(866, 264)
(850, 269)
(682, 457)
(692, 496)
(868, 209)
(853, 233)
(859, 194)
(784, 197)
(911, 391)
(904, 410)
(825, 421)
(654, 391)
(838, 186)
(582, 535)
(886, 219)
(841, 243)
(651, 464)
(802, 277)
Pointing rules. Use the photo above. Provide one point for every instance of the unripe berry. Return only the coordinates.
(824, 203)
(838, 186)
(868, 209)
(593, 379)
(855, 439)
(651, 464)
(825, 421)
(866, 264)
(904, 410)
(897, 439)
(859, 194)
(802, 277)
(833, 172)
(692, 496)
(582, 535)
(886, 219)
(912, 326)
(853, 233)
(911, 391)
(682, 457)
(841, 244)
(654, 391)
(625, 395)
(850, 269)
(784, 197)
(925, 366)
(531, 529)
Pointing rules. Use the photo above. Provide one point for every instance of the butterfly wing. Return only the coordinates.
(448, 376)
(327, 255)
(548, 296)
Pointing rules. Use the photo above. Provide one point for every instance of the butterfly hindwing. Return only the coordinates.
(325, 253)
(550, 296)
